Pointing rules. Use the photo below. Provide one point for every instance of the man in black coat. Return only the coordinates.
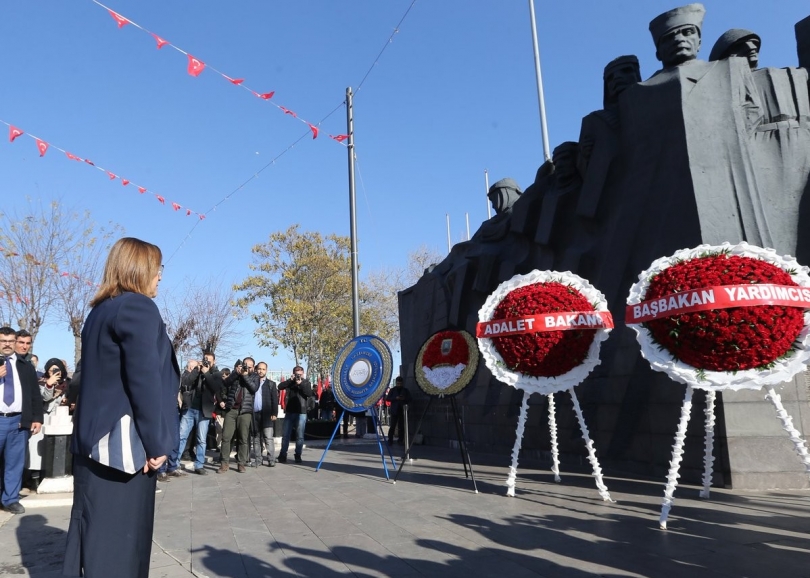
(265, 411)
(399, 398)
(299, 389)
(242, 385)
(197, 390)
(21, 414)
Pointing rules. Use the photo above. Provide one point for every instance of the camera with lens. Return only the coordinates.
(206, 363)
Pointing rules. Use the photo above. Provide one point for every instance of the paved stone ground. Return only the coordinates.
(347, 520)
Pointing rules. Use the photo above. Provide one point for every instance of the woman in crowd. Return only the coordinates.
(125, 422)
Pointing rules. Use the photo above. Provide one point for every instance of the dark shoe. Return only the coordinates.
(223, 468)
(176, 473)
(15, 508)
(282, 458)
(298, 459)
(162, 477)
(186, 457)
(241, 469)
(201, 472)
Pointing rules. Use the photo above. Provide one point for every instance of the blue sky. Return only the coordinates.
(453, 94)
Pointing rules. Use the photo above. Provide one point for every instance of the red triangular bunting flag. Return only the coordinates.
(65, 274)
(236, 81)
(112, 176)
(161, 199)
(141, 190)
(89, 162)
(120, 19)
(72, 157)
(314, 130)
(202, 217)
(288, 111)
(13, 132)
(42, 146)
(339, 137)
(175, 206)
(188, 212)
(267, 95)
(160, 42)
(195, 67)
(124, 182)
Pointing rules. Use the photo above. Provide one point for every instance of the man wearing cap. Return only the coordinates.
(676, 34)
(737, 42)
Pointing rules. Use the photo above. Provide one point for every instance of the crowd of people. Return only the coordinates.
(30, 399)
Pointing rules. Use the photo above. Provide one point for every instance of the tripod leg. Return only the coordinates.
(459, 435)
(463, 443)
(410, 442)
(326, 449)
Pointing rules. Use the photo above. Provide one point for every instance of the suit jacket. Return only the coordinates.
(32, 407)
(130, 376)
(269, 393)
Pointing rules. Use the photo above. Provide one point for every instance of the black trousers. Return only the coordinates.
(397, 419)
(111, 523)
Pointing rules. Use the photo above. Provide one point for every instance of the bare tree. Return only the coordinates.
(78, 280)
(39, 246)
(202, 318)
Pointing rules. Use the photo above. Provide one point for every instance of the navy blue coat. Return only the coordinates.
(128, 368)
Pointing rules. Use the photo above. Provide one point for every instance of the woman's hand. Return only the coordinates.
(153, 464)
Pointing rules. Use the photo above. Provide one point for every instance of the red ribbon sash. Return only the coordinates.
(556, 321)
(717, 297)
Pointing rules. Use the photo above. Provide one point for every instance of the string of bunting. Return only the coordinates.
(195, 67)
(43, 146)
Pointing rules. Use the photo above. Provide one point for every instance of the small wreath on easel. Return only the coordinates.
(446, 362)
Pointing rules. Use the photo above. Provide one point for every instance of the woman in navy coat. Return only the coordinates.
(126, 420)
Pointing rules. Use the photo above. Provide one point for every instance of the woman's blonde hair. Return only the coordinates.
(131, 266)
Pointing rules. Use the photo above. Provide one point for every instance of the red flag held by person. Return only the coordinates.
(195, 66)
(42, 146)
(13, 132)
(119, 19)
(320, 388)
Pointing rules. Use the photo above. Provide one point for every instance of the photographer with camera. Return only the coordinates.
(198, 386)
(299, 390)
(242, 385)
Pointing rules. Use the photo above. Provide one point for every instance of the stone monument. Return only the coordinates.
(700, 152)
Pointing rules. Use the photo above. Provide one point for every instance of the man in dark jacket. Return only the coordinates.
(242, 385)
(399, 398)
(197, 390)
(265, 411)
(299, 390)
(21, 414)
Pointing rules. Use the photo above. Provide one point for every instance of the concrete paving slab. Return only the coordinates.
(347, 520)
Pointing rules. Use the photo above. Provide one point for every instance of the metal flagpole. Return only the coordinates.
(449, 245)
(352, 214)
(486, 194)
(467, 216)
(540, 98)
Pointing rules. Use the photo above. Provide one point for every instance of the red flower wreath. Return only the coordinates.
(543, 354)
(458, 353)
(733, 339)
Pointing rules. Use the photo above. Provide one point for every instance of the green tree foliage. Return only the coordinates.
(299, 294)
